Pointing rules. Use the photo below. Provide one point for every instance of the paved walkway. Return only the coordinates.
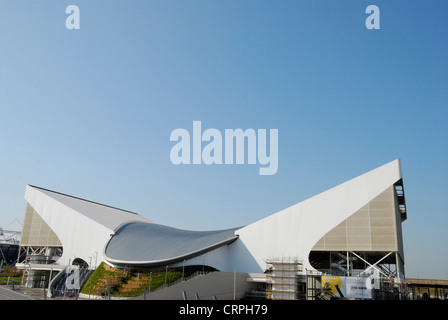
(8, 294)
(22, 293)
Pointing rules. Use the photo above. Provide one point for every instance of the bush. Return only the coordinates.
(9, 280)
(10, 271)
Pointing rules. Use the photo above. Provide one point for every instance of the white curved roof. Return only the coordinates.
(82, 226)
(152, 244)
(108, 216)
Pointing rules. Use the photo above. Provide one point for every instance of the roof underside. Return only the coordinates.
(108, 216)
(149, 244)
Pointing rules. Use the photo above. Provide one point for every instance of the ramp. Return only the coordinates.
(210, 286)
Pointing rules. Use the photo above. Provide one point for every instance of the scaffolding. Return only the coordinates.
(284, 279)
(37, 265)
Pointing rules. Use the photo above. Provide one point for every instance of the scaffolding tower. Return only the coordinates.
(283, 278)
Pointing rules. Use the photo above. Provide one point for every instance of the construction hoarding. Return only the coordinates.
(348, 287)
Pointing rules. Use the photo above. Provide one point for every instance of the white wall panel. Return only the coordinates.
(295, 230)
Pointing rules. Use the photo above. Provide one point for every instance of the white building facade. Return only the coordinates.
(351, 229)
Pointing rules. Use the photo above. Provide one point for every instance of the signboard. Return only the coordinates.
(348, 287)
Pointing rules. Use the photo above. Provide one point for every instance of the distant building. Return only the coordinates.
(9, 247)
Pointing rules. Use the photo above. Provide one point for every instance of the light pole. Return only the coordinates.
(166, 275)
(183, 268)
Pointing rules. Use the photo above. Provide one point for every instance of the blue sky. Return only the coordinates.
(89, 112)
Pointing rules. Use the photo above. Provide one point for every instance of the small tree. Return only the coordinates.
(11, 271)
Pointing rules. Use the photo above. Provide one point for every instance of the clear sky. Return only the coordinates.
(89, 112)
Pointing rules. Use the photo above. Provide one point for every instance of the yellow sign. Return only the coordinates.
(331, 284)
(347, 287)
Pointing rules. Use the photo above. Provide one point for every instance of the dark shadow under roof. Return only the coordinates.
(149, 244)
